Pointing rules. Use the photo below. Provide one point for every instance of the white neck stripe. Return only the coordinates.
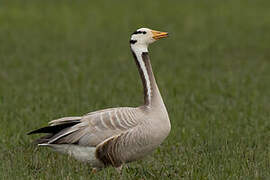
(146, 76)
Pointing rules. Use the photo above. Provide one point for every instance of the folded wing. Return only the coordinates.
(91, 129)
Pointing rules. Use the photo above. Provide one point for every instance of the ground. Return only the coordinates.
(63, 58)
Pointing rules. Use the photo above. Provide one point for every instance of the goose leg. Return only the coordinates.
(119, 169)
(94, 170)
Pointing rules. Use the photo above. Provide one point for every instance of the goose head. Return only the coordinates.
(142, 37)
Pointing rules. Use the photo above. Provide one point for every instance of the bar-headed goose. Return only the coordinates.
(117, 135)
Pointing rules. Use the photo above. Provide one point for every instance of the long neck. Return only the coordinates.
(151, 92)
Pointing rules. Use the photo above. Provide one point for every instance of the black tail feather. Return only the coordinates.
(43, 139)
(52, 129)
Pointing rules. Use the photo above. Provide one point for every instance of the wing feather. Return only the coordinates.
(98, 126)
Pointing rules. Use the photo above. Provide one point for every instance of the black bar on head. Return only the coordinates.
(139, 32)
(132, 41)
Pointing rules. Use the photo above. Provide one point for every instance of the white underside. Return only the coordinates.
(80, 153)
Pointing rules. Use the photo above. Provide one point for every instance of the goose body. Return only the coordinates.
(120, 135)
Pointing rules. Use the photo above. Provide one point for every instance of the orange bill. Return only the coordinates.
(158, 34)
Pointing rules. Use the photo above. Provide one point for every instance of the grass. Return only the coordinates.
(63, 58)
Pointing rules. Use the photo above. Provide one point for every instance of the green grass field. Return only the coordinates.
(63, 58)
